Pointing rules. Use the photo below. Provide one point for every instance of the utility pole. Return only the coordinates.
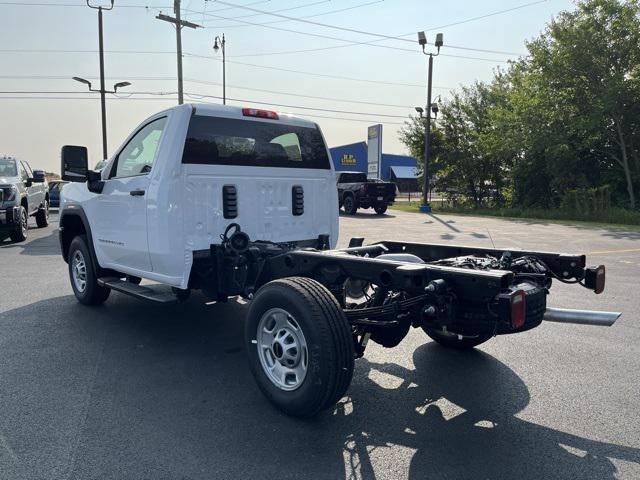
(422, 40)
(179, 23)
(220, 43)
(103, 103)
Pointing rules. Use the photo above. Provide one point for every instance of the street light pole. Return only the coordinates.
(220, 43)
(422, 40)
(103, 103)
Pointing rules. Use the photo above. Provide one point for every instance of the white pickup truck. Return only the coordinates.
(242, 202)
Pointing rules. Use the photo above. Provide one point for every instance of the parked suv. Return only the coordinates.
(355, 191)
(23, 193)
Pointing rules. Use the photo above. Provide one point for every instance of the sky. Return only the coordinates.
(345, 64)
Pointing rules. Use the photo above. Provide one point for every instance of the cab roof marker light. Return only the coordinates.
(255, 112)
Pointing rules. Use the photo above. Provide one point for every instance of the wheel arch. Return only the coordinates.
(73, 223)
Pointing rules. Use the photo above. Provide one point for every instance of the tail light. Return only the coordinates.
(254, 112)
(518, 308)
(594, 278)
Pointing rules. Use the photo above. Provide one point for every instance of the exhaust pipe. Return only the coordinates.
(581, 317)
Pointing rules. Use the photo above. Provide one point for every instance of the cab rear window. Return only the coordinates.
(226, 141)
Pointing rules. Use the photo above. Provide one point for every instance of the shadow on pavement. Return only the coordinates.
(368, 213)
(48, 245)
(132, 390)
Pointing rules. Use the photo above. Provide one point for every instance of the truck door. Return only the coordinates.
(34, 198)
(120, 211)
(272, 175)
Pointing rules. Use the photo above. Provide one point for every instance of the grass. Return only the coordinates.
(615, 217)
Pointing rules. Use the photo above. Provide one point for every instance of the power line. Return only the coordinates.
(297, 7)
(203, 82)
(317, 35)
(361, 32)
(199, 95)
(268, 67)
(328, 12)
(372, 42)
(83, 5)
(311, 22)
(53, 96)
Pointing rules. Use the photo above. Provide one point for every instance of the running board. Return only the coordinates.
(151, 293)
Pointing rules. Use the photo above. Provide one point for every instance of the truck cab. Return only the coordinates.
(185, 174)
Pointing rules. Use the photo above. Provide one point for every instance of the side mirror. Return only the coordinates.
(74, 163)
(38, 176)
(95, 183)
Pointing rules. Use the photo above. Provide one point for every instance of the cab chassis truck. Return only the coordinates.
(240, 202)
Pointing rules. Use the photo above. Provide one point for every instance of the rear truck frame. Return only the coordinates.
(313, 310)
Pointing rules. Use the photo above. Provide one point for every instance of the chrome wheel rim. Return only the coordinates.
(79, 271)
(282, 349)
(23, 222)
(46, 209)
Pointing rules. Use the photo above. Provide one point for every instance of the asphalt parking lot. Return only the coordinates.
(136, 391)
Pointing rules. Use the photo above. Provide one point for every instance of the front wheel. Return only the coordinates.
(42, 216)
(84, 280)
(380, 209)
(452, 340)
(300, 346)
(20, 233)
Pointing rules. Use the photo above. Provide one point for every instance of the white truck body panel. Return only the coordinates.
(153, 236)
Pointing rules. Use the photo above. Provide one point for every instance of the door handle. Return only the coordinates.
(136, 193)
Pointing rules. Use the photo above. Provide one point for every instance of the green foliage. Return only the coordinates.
(564, 119)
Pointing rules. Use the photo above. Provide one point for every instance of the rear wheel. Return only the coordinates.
(300, 346)
(380, 209)
(20, 233)
(452, 340)
(42, 216)
(84, 280)
(350, 205)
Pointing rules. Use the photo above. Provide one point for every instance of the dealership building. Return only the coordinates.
(400, 169)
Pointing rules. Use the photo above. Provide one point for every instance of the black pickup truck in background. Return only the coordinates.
(355, 191)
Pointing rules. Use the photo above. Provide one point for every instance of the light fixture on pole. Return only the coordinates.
(219, 43)
(102, 97)
(420, 111)
(422, 41)
(102, 92)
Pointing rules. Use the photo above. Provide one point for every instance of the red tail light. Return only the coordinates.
(518, 308)
(254, 112)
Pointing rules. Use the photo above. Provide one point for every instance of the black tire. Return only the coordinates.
(380, 209)
(350, 205)
(20, 233)
(450, 340)
(42, 216)
(91, 293)
(326, 334)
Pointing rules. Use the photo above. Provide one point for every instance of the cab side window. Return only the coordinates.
(137, 157)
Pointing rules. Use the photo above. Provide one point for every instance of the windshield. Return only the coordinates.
(225, 141)
(8, 167)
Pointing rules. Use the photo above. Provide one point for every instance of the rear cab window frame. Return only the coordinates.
(219, 131)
